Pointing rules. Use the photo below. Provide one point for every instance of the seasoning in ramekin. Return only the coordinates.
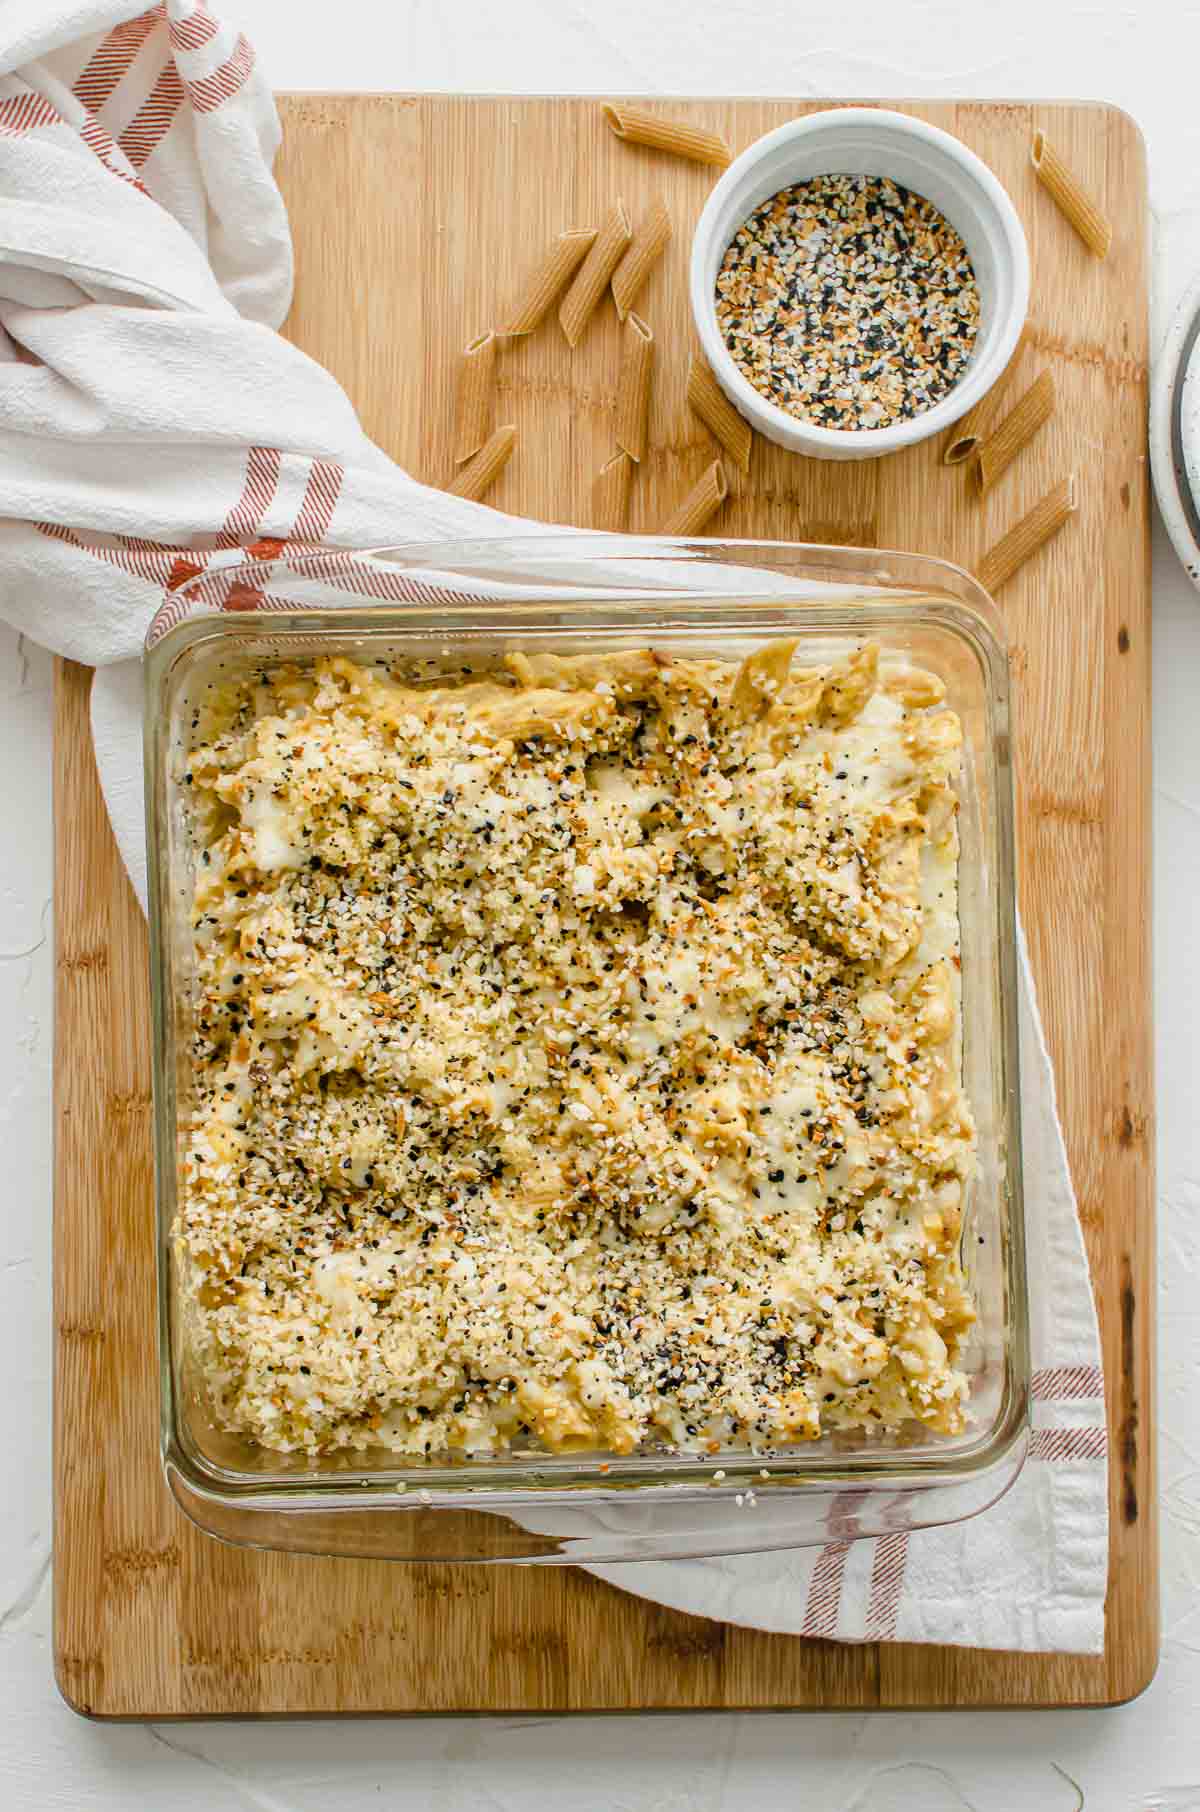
(849, 302)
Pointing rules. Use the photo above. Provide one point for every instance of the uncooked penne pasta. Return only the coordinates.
(1073, 202)
(633, 387)
(610, 493)
(1015, 432)
(706, 397)
(473, 403)
(645, 249)
(476, 479)
(549, 280)
(702, 501)
(1033, 531)
(580, 302)
(638, 127)
(963, 439)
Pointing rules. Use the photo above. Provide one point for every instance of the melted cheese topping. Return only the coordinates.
(576, 1055)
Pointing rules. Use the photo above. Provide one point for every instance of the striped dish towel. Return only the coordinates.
(152, 420)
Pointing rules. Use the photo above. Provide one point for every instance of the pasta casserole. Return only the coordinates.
(575, 1054)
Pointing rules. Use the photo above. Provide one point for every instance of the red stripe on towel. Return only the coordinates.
(154, 567)
(320, 499)
(262, 476)
(22, 113)
(887, 1585)
(195, 31)
(153, 119)
(210, 91)
(825, 1590)
(824, 1604)
(98, 80)
(1068, 1444)
(1067, 1383)
(99, 139)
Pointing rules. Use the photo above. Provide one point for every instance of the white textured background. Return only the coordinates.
(1142, 1758)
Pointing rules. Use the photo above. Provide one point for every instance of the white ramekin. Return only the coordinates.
(867, 141)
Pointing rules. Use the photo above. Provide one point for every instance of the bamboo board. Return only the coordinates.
(414, 220)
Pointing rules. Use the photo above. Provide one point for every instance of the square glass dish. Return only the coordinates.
(478, 602)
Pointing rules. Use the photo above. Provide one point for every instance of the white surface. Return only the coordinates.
(1144, 1758)
(868, 141)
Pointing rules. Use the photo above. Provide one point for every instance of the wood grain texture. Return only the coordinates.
(415, 222)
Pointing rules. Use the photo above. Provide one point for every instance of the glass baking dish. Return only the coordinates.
(565, 594)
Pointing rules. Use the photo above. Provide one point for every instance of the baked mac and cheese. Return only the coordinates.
(576, 1054)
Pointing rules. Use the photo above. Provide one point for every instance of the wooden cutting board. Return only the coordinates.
(414, 219)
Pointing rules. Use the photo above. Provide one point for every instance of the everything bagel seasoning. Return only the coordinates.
(849, 302)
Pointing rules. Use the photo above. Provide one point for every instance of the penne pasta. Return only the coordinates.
(1015, 432)
(1073, 202)
(473, 404)
(610, 493)
(637, 126)
(1033, 531)
(549, 280)
(476, 479)
(707, 400)
(702, 501)
(643, 253)
(963, 439)
(633, 387)
(581, 300)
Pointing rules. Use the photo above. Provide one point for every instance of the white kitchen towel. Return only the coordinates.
(151, 420)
